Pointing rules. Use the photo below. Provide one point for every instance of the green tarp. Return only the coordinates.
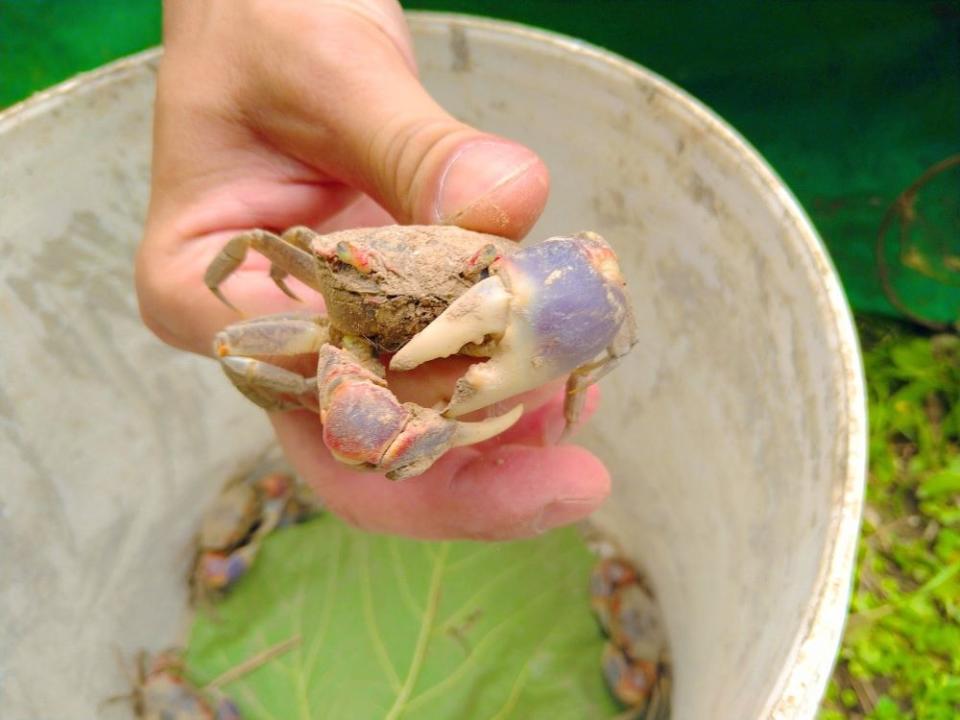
(849, 101)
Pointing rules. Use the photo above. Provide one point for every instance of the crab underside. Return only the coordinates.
(399, 296)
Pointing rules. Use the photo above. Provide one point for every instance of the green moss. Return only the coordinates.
(901, 654)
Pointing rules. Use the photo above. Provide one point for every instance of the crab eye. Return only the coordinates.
(353, 255)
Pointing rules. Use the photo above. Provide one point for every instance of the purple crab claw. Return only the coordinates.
(555, 308)
(364, 424)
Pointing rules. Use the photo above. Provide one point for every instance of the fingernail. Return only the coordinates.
(488, 184)
(563, 512)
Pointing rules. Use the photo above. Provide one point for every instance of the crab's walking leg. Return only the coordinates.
(243, 349)
(575, 393)
(281, 334)
(577, 383)
(298, 237)
(586, 375)
(266, 384)
(289, 254)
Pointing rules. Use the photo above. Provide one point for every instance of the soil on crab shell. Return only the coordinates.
(413, 277)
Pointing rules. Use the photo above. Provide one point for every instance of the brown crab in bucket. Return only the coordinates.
(249, 508)
(398, 296)
(635, 658)
(161, 691)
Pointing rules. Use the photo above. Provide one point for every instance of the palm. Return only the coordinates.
(246, 138)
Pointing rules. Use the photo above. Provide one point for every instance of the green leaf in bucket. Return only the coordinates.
(393, 628)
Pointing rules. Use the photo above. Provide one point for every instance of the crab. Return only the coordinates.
(161, 691)
(634, 660)
(641, 686)
(399, 296)
(631, 681)
(232, 530)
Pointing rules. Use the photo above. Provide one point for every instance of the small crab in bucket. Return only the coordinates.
(249, 508)
(399, 296)
(635, 660)
(161, 691)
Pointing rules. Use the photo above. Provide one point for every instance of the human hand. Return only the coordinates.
(274, 113)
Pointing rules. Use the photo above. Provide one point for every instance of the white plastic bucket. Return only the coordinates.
(735, 431)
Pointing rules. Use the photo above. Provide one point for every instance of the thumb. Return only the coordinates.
(355, 109)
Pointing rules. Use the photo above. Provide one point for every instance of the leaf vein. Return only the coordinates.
(426, 626)
(467, 606)
(406, 592)
(333, 574)
(478, 649)
(371, 620)
(303, 700)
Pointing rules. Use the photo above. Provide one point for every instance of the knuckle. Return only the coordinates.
(406, 152)
(156, 299)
